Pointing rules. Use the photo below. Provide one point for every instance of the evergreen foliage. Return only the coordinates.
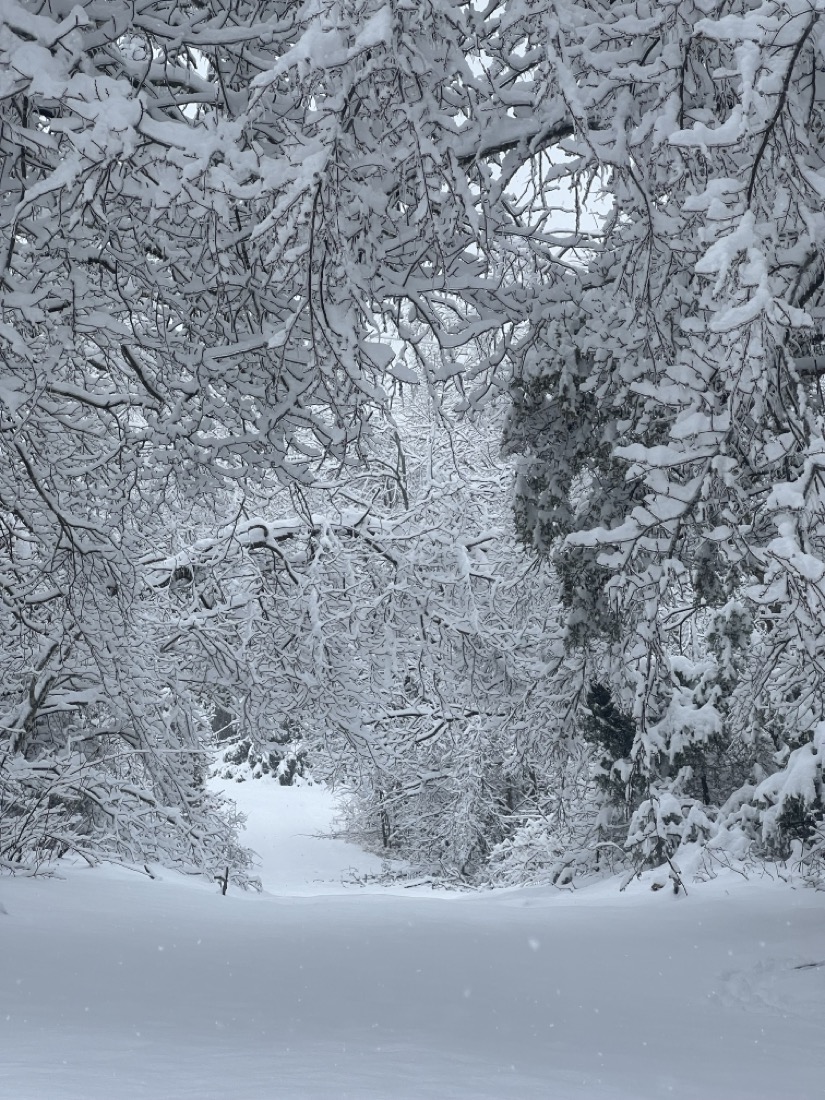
(614, 735)
(672, 424)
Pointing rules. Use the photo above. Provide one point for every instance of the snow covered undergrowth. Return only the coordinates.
(114, 986)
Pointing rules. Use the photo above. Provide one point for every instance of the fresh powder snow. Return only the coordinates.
(117, 987)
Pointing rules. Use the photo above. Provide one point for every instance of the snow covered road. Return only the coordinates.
(113, 986)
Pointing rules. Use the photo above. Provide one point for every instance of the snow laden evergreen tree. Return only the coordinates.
(669, 406)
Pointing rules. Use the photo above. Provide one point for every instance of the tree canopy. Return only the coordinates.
(232, 235)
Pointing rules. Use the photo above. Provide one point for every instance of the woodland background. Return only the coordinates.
(427, 391)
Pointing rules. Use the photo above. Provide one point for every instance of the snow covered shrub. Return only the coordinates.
(562, 836)
(613, 734)
(61, 799)
(535, 852)
(284, 760)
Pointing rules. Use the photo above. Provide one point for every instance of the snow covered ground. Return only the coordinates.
(114, 987)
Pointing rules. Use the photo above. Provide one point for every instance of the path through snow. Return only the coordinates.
(114, 987)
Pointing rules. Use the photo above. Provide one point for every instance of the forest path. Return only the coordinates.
(114, 987)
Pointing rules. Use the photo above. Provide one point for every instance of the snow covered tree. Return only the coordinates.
(671, 414)
(220, 223)
(204, 210)
(212, 218)
(395, 622)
